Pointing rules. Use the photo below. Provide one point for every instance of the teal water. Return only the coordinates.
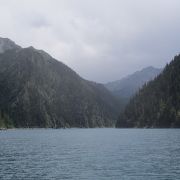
(94, 154)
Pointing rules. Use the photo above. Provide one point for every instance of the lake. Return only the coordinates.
(94, 154)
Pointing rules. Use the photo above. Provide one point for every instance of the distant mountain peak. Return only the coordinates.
(151, 69)
(145, 74)
(126, 87)
(7, 44)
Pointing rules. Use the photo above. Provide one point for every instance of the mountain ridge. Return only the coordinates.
(36, 90)
(126, 87)
(7, 44)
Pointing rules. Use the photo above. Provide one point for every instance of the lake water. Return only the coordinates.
(94, 154)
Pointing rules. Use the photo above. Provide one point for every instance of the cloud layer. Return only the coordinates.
(102, 40)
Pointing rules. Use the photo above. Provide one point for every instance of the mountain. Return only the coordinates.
(7, 44)
(38, 91)
(128, 86)
(157, 104)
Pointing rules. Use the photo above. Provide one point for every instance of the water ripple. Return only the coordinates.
(127, 154)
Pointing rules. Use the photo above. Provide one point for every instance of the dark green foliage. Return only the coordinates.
(5, 121)
(157, 104)
(39, 91)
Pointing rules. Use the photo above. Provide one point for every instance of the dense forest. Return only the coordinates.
(157, 104)
(38, 91)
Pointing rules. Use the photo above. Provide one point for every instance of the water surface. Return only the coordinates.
(94, 154)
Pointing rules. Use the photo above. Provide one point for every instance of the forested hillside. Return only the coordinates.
(38, 91)
(157, 104)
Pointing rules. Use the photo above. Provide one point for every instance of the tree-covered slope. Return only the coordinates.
(39, 91)
(157, 104)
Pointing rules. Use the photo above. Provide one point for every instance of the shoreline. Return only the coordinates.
(38, 128)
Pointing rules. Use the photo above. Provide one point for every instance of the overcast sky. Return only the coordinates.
(102, 40)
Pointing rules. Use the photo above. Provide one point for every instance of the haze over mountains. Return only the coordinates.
(39, 91)
(126, 87)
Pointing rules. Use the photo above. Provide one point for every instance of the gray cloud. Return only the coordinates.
(102, 40)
